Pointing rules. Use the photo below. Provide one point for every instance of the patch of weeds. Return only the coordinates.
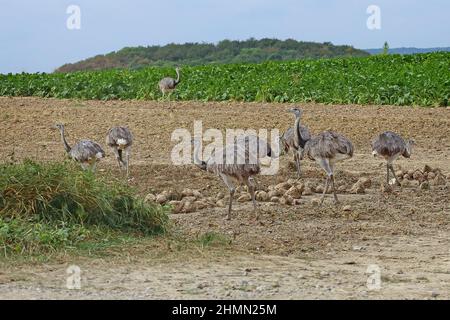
(213, 239)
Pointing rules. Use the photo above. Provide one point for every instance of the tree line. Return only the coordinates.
(224, 52)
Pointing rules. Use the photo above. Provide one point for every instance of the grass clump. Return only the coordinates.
(19, 236)
(51, 205)
(212, 239)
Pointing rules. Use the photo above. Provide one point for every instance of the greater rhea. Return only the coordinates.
(237, 161)
(289, 142)
(86, 152)
(120, 139)
(326, 148)
(390, 146)
(169, 84)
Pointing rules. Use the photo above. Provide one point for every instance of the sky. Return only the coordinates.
(34, 36)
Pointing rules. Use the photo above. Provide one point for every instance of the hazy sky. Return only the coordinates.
(34, 36)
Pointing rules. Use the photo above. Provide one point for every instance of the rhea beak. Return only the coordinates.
(195, 141)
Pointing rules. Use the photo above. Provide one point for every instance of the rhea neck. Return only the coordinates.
(178, 76)
(299, 141)
(63, 138)
(199, 163)
(408, 150)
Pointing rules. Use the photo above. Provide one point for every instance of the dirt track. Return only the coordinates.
(294, 252)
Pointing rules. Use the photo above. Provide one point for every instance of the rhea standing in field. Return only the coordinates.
(86, 152)
(327, 149)
(390, 146)
(289, 141)
(244, 166)
(169, 84)
(120, 139)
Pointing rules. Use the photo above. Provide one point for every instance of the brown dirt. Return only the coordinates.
(293, 252)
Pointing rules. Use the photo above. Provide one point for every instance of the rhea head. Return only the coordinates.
(296, 111)
(409, 146)
(59, 126)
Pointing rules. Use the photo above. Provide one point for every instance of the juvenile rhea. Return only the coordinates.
(86, 152)
(169, 84)
(120, 139)
(327, 149)
(289, 142)
(237, 161)
(390, 146)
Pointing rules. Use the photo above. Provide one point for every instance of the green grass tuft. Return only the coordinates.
(212, 239)
(51, 205)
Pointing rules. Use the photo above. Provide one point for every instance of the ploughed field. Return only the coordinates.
(296, 250)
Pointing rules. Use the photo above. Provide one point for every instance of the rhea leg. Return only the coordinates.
(118, 156)
(128, 164)
(297, 161)
(251, 187)
(325, 190)
(84, 165)
(333, 188)
(387, 174)
(393, 172)
(232, 189)
(127, 155)
(325, 164)
(336, 200)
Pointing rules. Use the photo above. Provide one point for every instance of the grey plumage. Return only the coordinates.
(288, 138)
(327, 148)
(390, 146)
(257, 146)
(86, 152)
(238, 161)
(289, 142)
(120, 140)
(329, 145)
(168, 84)
(228, 162)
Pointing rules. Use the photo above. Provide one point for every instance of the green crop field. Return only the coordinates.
(422, 79)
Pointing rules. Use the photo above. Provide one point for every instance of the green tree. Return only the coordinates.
(386, 48)
(226, 51)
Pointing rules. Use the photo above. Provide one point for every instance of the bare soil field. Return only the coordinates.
(292, 252)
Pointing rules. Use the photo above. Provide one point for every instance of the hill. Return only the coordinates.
(226, 51)
(408, 50)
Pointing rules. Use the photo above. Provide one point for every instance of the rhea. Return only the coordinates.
(390, 146)
(120, 139)
(236, 161)
(169, 84)
(289, 141)
(326, 149)
(86, 152)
